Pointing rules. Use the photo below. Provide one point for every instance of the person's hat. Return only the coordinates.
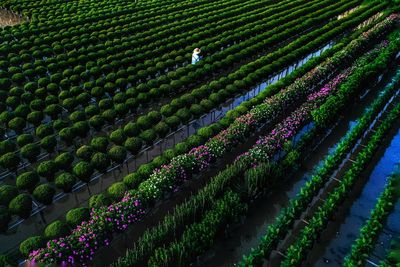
(197, 51)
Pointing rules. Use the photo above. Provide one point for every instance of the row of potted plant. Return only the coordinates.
(298, 204)
(84, 171)
(163, 256)
(180, 167)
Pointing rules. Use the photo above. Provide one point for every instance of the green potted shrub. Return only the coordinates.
(7, 193)
(85, 152)
(17, 124)
(30, 152)
(44, 193)
(83, 170)
(24, 139)
(30, 244)
(97, 201)
(131, 129)
(100, 161)
(117, 190)
(55, 230)
(21, 205)
(27, 181)
(99, 143)
(133, 145)
(10, 161)
(148, 136)
(47, 169)
(117, 154)
(65, 181)
(64, 160)
(118, 136)
(49, 143)
(76, 216)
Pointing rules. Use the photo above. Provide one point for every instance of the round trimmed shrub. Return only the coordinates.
(7, 146)
(173, 121)
(82, 128)
(65, 181)
(56, 229)
(10, 161)
(5, 218)
(49, 143)
(35, 117)
(97, 201)
(167, 110)
(24, 139)
(67, 134)
(144, 122)
(117, 154)
(145, 170)
(44, 130)
(60, 124)
(44, 193)
(205, 132)
(30, 244)
(27, 181)
(64, 160)
(99, 143)
(83, 170)
(17, 124)
(197, 110)
(30, 152)
(117, 190)
(132, 180)
(77, 116)
(148, 136)
(162, 129)
(118, 136)
(131, 129)
(7, 193)
(21, 205)
(47, 169)
(133, 145)
(76, 216)
(100, 161)
(84, 152)
(96, 122)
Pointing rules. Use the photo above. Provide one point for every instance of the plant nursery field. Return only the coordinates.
(200, 133)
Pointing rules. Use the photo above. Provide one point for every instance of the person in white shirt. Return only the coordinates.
(196, 56)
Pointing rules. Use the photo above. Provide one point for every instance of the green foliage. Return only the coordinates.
(47, 169)
(55, 230)
(117, 154)
(21, 205)
(30, 244)
(99, 200)
(64, 160)
(7, 193)
(76, 216)
(100, 161)
(65, 181)
(44, 193)
(27, 180)
(83, 170)
(99, 143)
(117, 190)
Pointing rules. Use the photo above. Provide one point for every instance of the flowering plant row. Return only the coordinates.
(297, 205)
(100, 161)
(166, 254)
(184, 165)
(297, 251)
